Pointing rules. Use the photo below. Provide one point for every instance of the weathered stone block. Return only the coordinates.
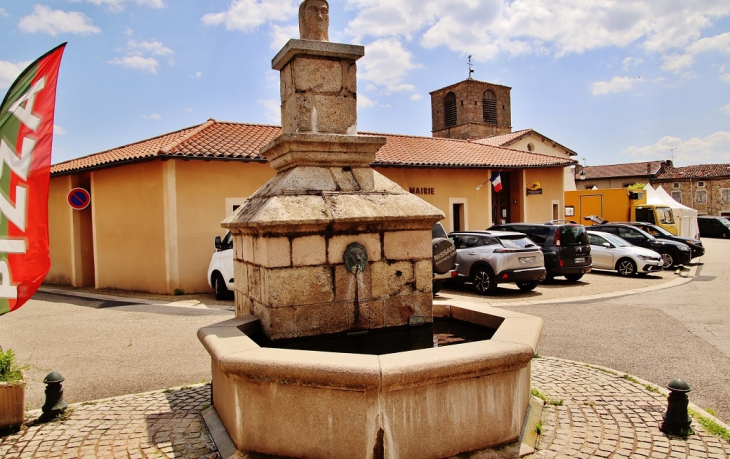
(299, 286)
(366, 314)
(240, 271)
(321, 319)
(337, 245)
(351, 78)
(349, 287)
(390, 279)
(246, 248)
(277, 323)
(296, 114)
(287, 84)
(309, 251)
(317, 75)
(424, 276)
(407, 245)
(398, 309)
(336, 114)
(272, 252)
(301, 180)
(255, 290)
(244, 305)
(345, 179)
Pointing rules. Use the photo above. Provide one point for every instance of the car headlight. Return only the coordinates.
(684, 248)
(646, 258)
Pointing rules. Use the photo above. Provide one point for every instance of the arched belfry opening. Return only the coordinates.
(471, 110)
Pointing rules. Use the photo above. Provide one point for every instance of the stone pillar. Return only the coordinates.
(291, 236)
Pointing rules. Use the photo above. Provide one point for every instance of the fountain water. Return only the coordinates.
(331, 246)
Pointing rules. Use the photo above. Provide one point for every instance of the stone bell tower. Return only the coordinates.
(328, 245)
(471, 110)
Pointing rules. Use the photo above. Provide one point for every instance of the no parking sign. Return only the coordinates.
(79, 199)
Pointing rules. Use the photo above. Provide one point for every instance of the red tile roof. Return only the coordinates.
(624, 170)
(224, 140)
(695, 172)
(505, 140)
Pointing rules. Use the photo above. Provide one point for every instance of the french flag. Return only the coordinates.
(496, 181)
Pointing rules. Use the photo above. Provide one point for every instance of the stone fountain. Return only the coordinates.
(330, 246)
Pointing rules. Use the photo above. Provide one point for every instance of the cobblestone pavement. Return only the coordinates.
(591, 413)
(165, 424)
(607, 415)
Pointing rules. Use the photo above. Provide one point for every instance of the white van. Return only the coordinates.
(220, 268)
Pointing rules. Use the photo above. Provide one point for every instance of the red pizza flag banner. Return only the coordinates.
(26, 137)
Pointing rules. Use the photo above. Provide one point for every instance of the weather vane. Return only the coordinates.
(470, 69)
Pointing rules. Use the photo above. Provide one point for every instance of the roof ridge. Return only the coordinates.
(175, 143)
(629, 164)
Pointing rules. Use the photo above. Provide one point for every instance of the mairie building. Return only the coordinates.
(157, 204)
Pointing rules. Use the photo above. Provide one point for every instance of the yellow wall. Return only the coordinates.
(59, 231)
(129, 231)
(202, 191)
(539, 208)
(451, 185)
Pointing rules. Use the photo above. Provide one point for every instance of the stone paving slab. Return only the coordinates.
(595, 412)
(591, 413)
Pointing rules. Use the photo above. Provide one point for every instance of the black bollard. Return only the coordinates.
(55, 404)
(677, 420)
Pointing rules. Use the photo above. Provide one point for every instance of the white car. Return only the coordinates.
(220, 268)
(614, 253)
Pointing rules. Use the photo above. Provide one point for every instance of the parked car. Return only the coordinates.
(614, 253)
(444, 257)
(714, 226)
(564, 245)
(695, 245)
(489, 258)
(220, 268)
(673, 253)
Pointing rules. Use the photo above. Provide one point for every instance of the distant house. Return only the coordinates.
(618, 175)
(705, 188)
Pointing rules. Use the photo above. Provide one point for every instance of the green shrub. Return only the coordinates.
(10, 371)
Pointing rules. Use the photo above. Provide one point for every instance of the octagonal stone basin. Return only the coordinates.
(428, 403)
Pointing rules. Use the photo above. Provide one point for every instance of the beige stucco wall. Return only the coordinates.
(129, 231)
(205, 193)
(452, 186)
(542, 147)
(59, 231)
(539, 208)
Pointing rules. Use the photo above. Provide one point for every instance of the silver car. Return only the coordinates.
(614, 253)
(488, 258)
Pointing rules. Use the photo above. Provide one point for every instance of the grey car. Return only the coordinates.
(489, 258)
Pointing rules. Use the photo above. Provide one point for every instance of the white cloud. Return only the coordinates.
(58, 130)
(146, 64)
(725, 78)
(713, 149)
(53, 22)
(417, 97)
(9, 71)
(272, 110)
(248, 15)
(197, 75)
(142, 55)
(365, 102)
(386, 64)
(153, 116)
(617, 84)
(630, 62)
(679, 62)
(725, 109)
(4, 13)
(280, 35)
(118, 5)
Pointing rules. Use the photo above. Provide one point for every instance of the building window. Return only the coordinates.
(489, 107)
(725, 194)
(677, 196)
(530, 147)
(701, 197)
(676, 185)
(450, 109)
(700, 184)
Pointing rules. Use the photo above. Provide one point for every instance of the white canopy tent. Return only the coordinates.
(686, 217)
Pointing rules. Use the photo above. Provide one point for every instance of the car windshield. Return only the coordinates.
(438, 232)
(516, 242)
(228, 241)
(665, 214)
(616, 241)
(725, 221)
(573, 235)
(660, 230)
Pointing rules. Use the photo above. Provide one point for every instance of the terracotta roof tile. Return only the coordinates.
(695, 172)
(623, 170)
(505, 139)
(226, 140)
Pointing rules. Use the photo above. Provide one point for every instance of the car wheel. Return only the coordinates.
(219, 285)
(668, 259)
(527, 286)
(484, 282)
(437, 286)
(626, 267)
(574, 277)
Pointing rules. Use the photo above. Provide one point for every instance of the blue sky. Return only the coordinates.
(617, 81)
